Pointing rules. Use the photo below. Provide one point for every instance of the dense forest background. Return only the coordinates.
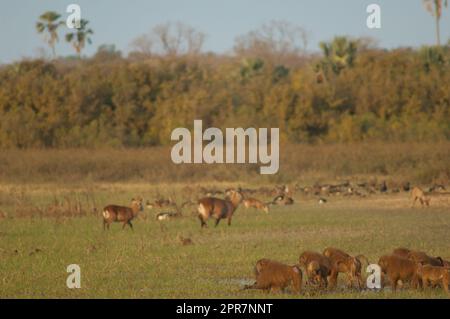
(352, 91)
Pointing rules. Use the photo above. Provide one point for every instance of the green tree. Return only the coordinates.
(48, 24)
(435, 8)
(338, 54)
(79, 37)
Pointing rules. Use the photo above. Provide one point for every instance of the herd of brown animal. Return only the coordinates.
(408, 266)
(213, 207)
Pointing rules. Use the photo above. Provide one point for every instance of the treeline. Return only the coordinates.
(349, 93)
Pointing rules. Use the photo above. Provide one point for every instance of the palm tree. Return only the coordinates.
(48, 22)
(435, 8)
(338, 54)
(80, 36)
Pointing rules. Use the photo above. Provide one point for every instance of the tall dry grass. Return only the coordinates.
(420, 163)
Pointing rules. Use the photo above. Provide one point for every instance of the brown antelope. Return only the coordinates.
(121, 214)
(255, 203)
(418, 194)
(219, 208)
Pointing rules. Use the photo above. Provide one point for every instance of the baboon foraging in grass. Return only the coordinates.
(418, 194)
(316, 273)
(398, 268)
(344, 263)
(446, 263)
(260, 264)
(434, 275)
(324, 262)
(121, 214)
(422, 258)
(275, 276)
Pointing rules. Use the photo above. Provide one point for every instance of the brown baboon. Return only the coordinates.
(433, 275)
(423, 258)
(260, 264)
(344, 263)
(398, 268)
(446, 263)
(317, 273)
(275, 276)
(324, 262)
(402, 252)
(418, 194)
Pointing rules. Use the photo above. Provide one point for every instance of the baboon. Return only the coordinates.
(115, 213)
(434, 275)
(257, 204)
(446, 263)
(260, 264)
(418, 194)
(344, 263)
(275, 276)
(398, 268)
(317, 273)
(324, 264)
(423, 258)
(402, 252)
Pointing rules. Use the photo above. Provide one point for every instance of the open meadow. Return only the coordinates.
(46, 226)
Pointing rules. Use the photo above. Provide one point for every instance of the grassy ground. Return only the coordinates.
(151, 262)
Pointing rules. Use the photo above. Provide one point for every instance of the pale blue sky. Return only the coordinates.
(404, 22)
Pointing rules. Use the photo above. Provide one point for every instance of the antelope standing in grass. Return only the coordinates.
(255, 203)
(219, 208)
(121, 214)
(418, 194)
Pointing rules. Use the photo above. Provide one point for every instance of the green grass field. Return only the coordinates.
(151, 262)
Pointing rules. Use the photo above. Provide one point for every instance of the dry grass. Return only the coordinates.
(398, 162)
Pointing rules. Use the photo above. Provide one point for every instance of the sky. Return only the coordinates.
(118, 22)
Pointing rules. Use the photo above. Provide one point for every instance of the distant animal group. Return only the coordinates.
(404, 266)
(216, 208)
(415, 268)
(208, 207)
